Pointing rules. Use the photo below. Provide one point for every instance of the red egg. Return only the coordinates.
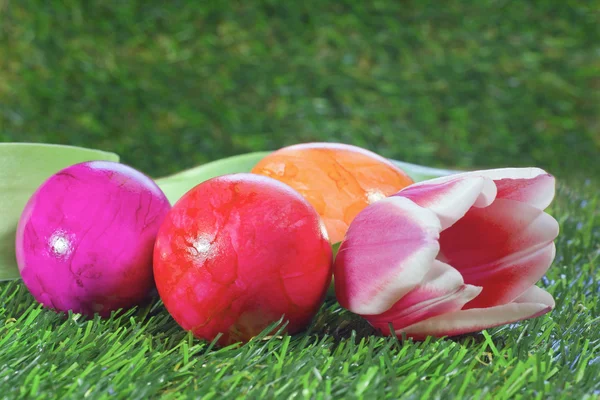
(238, 252)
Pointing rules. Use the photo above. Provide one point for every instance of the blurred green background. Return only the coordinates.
(174, 84)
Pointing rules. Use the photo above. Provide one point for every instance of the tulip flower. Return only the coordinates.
(451, 255)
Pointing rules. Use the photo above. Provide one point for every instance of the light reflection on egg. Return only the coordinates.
(60, 244)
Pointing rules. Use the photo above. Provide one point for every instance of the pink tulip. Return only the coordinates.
(451, 255)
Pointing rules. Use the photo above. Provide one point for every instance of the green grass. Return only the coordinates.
(171, 85)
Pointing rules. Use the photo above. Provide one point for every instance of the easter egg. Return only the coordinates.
(85, 238)
(238, 252)
(339, 180)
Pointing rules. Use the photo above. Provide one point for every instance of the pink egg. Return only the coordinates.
(85, 238)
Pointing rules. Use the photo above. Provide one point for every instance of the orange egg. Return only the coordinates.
(339, 180)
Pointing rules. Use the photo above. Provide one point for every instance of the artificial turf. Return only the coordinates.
(171, 85)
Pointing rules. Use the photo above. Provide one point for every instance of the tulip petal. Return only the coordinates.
(536, 295)
(533, 186)
(505, 248)
(451, 197)
(442, 291)
(527, 185)
(388, 249)
(509, 173)
(510, 279)
(533, 303)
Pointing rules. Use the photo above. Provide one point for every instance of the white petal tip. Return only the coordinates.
(477, 319)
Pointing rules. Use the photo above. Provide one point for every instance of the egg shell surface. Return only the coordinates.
(238, 252)
(85, 239)
(339, 180)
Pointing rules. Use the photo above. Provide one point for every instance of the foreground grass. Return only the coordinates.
(143, 353)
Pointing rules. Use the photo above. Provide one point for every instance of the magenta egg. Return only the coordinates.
(85, 239)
